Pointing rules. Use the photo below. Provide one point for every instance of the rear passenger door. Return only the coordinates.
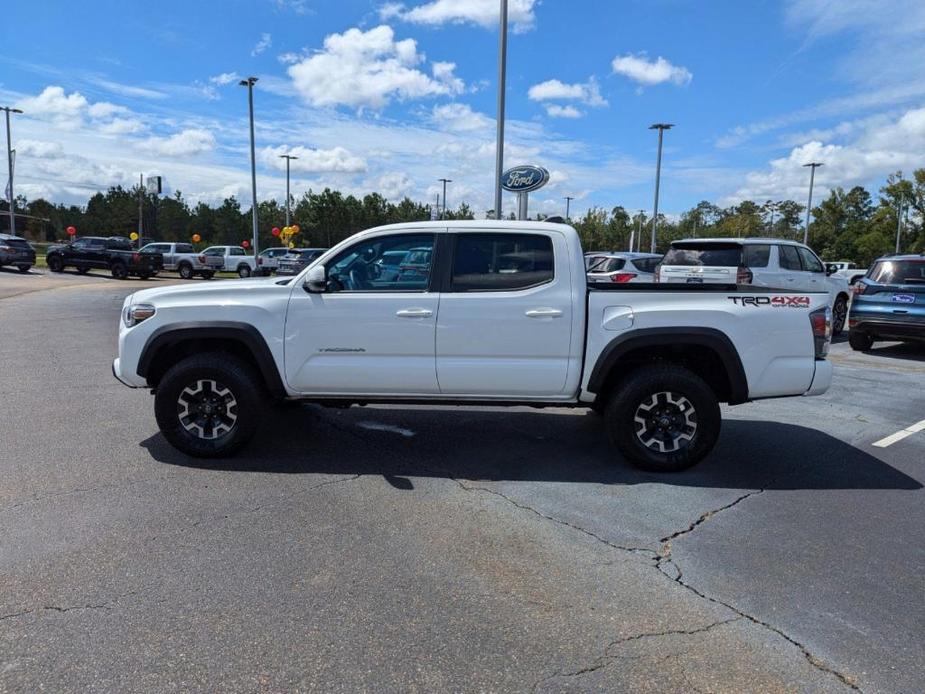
(504, 326)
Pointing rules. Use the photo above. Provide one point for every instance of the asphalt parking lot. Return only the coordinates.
(443, 549)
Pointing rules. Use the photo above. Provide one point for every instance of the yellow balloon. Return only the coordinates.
(133, 236)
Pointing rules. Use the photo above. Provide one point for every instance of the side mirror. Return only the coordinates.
(316, 281)
(831, 269)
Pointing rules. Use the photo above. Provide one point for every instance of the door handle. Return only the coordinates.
(543, 313)
(414, 313)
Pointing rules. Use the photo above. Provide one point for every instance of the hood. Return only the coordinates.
(224, 291)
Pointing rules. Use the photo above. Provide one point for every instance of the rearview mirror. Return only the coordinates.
(315, 280)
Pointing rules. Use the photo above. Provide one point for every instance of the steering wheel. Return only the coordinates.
(359, 277)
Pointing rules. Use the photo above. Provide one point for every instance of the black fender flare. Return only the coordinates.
(242, 333)
(711, 338)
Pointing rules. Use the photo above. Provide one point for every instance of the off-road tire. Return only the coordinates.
(226, 375)
(686, 401)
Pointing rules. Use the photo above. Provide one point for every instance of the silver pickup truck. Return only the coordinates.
(183, 259)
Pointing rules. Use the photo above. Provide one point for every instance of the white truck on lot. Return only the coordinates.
(183, 259)
(500, 315)
(234, 259)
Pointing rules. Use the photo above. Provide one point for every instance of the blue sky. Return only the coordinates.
(376, 95)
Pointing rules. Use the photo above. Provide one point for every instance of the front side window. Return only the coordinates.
(501, 262)
(810, 262)
(757, 255)
(358, 268)
(789, 259)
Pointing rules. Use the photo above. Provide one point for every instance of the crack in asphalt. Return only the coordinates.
(632, 550)
(663, 558)
(68, 608)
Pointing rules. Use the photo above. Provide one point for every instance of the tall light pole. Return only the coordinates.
(9, 160)
(813, 165)
(661, 127)
(568, 206)
(249, 83)
(499, 141)
(288, 158)
(445, 181)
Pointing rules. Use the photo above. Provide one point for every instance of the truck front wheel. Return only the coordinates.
(209, 405)
(663, 418)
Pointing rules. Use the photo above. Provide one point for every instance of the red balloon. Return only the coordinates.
(275, 231)
(245, 244)
(71, 231)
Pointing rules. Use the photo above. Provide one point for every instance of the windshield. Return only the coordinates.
(712, 254)
(898, 272)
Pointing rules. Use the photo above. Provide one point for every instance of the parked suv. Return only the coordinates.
(889, 303)
(297, 259)
(15, 250)
(775, 263)
(624, 267)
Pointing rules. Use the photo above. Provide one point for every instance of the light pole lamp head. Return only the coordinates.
(814, 164)
(248, 82)
(661, 126)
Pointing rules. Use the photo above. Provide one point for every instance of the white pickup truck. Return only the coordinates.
(183, 259)
(499, 314)
(234, 259)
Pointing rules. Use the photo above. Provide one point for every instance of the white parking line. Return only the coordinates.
(900, 435)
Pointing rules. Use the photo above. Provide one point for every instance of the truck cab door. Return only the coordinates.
(505, 327)
(365, 335)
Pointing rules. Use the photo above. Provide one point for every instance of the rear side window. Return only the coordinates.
(499, 262)
(607, 265)
(757, 255)
(898, 272)
(789, 259)
(712, 255)
(646, 264)
(810, 262)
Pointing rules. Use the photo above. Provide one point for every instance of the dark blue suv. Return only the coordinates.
(889, 302)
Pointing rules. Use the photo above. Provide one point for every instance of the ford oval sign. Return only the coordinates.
(523, 179)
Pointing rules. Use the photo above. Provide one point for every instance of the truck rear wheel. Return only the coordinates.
(860, 342)
(244, 270)
(185, 270)
(663, 418)
(209, 405)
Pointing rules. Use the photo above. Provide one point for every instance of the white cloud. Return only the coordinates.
(394, 185)
(263, 44)
(459, 118)
(568, 111)
(104, 109)
(64, 110)
(39, 149)
(367, 69)
(225, 78)
(336, 159)
(289, 57)
(122, 126)
(185, 143)
(878, 149)
(484, 13)
(650, 72)
(588, 93)
(129, 90)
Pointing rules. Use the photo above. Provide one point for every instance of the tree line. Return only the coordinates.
(846, 225)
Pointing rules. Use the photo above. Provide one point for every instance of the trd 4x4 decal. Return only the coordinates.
(776, 301)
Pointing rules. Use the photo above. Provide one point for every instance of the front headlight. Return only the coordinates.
(135, 313)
